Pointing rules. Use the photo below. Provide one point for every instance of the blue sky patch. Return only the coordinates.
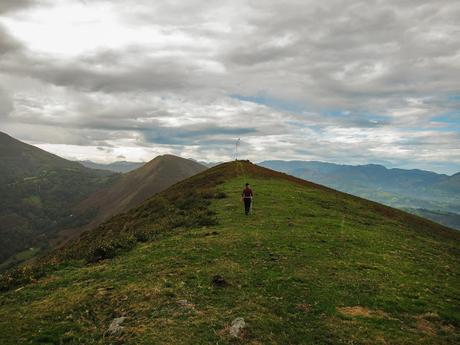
(274, 103)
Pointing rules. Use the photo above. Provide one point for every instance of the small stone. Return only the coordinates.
(185, 304)
(182, 302)
(237, 327)
(115, 327)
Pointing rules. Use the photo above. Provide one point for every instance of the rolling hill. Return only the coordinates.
(133, 188)
(38, 190)
(411, 190)
(450, 184)
(311, 265)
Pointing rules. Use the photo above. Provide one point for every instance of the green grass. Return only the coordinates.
(303, 255)
(20, 257)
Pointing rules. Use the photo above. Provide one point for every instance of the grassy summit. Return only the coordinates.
(310, 266)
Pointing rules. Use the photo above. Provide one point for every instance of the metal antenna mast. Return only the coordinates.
(236, 148)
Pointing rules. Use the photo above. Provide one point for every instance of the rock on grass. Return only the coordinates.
(237, 327)
(115, 327)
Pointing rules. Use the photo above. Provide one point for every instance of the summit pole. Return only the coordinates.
(236, 148)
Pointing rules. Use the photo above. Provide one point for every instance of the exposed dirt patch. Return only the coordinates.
(380, 339)
(450, 329)
(224, 331)
(362, 312)
(431, 323)
(425, 327)
(305, 307)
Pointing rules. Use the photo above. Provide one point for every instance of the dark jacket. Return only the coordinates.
(247, 193)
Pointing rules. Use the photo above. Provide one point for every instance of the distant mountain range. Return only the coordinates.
(45, 199)
(432, 195)
(124, 166)
(208, 164)
(120, 166)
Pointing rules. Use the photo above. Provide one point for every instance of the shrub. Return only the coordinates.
(220, 195)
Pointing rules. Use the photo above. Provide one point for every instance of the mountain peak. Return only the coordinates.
(168, 162)
(135, 186)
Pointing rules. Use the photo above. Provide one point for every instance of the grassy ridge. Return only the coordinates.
(310, 266)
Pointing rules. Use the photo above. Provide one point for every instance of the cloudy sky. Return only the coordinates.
(340, 81)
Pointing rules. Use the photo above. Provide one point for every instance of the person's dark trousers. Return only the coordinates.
(247, 205)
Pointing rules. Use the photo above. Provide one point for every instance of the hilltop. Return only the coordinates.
(311, 265)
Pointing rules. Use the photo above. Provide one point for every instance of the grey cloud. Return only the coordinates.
(193, 135)
(14, 5)
(361, 36)
(6, 104)
(390, 66)
(8, 44)
(353, 41)
(152, 75)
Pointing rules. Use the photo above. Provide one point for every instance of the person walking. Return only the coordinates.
(247, 196)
